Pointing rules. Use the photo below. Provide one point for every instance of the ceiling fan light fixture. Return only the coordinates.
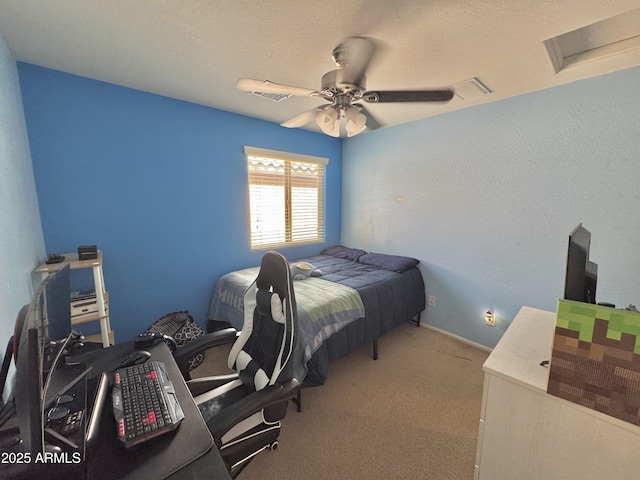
(329, 121)
(356, 121)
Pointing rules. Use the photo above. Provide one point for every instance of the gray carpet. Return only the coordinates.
(412, 414)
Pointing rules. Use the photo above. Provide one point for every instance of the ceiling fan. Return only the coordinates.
(343, 88)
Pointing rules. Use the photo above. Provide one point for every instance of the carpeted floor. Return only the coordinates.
(412, 414)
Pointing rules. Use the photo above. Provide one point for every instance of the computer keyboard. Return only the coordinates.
(144, 403)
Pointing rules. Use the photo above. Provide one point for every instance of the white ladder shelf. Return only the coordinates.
(106, 336)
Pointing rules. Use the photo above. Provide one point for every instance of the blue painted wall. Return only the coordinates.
(492, 192)
(158, 184)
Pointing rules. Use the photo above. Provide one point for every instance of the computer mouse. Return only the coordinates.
(135, 358)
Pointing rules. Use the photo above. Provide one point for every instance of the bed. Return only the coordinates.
(354, 299)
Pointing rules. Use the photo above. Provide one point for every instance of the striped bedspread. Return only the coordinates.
(324, 307)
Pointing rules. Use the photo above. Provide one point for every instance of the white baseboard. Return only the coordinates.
(460, 339)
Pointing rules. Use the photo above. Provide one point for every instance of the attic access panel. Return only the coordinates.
(607, 37)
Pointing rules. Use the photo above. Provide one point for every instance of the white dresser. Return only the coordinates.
(527, 434)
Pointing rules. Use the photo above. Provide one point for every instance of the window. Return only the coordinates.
(285, 198)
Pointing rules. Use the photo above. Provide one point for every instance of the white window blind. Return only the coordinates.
(285, 198)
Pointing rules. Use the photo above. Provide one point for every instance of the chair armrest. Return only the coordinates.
(249, 405)
(190, 349)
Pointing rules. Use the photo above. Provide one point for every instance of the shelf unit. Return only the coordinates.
(106, 336)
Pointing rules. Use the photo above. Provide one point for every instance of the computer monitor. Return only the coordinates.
(43, 329)
(56, 316)
(28, 386)
(582, 274)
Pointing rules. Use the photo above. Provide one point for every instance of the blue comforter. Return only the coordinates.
(324, 307)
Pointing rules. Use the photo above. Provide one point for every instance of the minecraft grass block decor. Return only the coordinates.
(595, 360)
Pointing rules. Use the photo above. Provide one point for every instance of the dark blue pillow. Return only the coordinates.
(343, 252)
(395, 263)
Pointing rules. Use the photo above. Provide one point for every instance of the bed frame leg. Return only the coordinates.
(416, 319)
(375, 349)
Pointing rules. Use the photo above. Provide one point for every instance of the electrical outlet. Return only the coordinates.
(490, 319)
(432, 301)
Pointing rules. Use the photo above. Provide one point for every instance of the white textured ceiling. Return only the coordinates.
(195, 50)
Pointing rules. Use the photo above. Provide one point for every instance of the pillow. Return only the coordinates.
(343, 252)
(395, 263)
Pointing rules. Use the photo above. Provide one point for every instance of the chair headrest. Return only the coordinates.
(274, 274)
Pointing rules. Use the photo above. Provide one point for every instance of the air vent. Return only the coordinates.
(471, 88)
(275, 97)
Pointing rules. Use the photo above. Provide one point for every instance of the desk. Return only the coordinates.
(186, 453)
(177, 453)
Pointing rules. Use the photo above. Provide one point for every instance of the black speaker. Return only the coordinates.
(87, 252)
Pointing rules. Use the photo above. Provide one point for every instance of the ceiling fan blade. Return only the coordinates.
(303, 118)
(372, 122)
(408, 96)
(265, 86)
(353, 56)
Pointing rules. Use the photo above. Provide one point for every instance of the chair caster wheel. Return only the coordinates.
(273, 446)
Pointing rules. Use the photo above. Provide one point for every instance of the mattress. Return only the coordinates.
(391, 289)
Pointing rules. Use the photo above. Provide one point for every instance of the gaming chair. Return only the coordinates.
(243, 409)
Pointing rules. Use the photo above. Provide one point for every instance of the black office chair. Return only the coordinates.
(243, 410)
